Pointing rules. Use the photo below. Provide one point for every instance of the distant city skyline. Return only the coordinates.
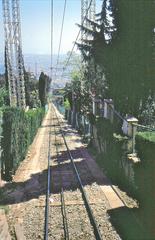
(36, 25)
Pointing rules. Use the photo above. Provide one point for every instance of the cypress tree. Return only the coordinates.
(42, 88)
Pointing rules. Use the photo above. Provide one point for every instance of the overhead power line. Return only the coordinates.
(69, 57)
(51, 39)
(63, 18)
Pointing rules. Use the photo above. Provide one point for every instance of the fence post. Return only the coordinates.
(94, 105)
(108, 109)
(129, 128)
(134, 130)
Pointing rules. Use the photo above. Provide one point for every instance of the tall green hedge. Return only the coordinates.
(18, 130)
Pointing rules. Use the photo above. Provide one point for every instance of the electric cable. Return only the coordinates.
(61, 33)
(65, 67)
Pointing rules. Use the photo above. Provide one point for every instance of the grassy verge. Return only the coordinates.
(146, 136)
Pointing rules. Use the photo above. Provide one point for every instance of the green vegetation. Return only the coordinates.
(18, 130)
(31, 90)
(5, 208)
(127, 57)
(118, 60)
(44, 85)
(146, 136)
(66, 104)
(18, 127)
(118, 64)
(4, 96)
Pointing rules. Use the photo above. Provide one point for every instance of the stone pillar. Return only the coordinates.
(129, 128)
(94, 105)
(101, 108)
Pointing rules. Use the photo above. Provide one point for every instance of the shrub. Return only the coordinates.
(18, 130)
(146, 136)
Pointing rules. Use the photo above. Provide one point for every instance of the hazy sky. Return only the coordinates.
(35, 21)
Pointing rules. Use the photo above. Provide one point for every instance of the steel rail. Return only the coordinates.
(48, 190)
(63, 206)
(84, 195)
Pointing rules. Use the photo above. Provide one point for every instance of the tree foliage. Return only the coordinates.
(44, 85)
(4, 96)
(119, 62)
(127, 57)
(18, 130)
(31, 90)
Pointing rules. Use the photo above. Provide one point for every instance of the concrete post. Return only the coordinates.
(94, 106)
(134, 130)
(129, 128)
(108, 109)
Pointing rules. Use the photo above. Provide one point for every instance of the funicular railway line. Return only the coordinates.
(73, 207)
(60, 142)
(61, 198)
(79, 206)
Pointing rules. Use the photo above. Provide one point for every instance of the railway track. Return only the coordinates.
(83, 193)
(74, 206)
(63, 205)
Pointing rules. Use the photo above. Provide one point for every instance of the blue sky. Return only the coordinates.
(35, 21)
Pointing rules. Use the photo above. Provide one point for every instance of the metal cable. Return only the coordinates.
(134, 124)
(144, 127)
(63, 18)
(64, 68)
(51, 73)
(48, 190)
(49, 147)
(63, 206)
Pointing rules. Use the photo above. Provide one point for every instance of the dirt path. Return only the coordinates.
(32, 165)
(26, 195)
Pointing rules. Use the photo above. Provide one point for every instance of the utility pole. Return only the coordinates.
(15, 62)
(88, 15)
(9, 52)
(18, 54)
(84, 7)
(92, 11)
(85, 16)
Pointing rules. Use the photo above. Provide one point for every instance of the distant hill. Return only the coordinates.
(37, 63)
